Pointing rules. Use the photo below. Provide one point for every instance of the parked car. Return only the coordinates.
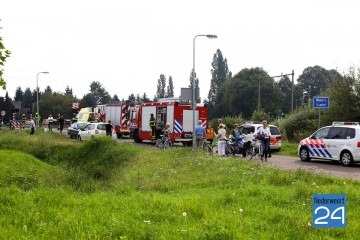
(74, 129)
(339, 142)
(249, 129)
(92, 129)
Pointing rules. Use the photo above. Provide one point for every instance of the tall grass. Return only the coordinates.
(103, 190)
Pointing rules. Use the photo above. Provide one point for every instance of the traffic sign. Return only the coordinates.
(321, 102)
(3, 113)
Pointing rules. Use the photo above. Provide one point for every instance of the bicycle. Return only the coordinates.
(163, 142)
(255, 152)
(207, 146)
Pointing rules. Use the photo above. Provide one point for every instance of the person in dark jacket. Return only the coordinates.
(61, 123)
(109, 128)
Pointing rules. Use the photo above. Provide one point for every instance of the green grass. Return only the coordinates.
(288, 149)
(55, 188)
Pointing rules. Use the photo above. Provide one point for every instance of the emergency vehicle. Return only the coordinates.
(339, 142)
(119, 115)
(179, 114)
(88, 114)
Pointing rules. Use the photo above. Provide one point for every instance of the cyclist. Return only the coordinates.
(264, 134)
(234, 138)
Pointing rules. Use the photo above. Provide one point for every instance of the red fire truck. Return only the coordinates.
(178, 114)
(119, 115)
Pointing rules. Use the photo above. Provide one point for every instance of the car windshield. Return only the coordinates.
(81, 125)
(247, 129)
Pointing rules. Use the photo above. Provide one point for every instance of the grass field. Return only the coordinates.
(52, 187)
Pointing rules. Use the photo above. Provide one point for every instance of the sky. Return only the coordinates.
(126, 45)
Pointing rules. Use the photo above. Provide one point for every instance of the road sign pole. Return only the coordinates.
(319, 117)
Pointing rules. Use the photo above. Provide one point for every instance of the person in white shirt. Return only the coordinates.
(264, 134)
(50, 121)
(221, 136)
(32, 126)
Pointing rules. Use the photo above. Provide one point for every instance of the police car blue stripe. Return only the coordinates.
(328, 153)
(309, 150)
(317, 154)
(323, 155)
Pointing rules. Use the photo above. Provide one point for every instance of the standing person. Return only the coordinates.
(58, 121)
(200, 134)
(221, 136)
(264, 134)
(166, 130)
(50, 122)
(23, 120)
(32, 126)
(210, 134)
(61, 123)
(109, 128)
(153, 126)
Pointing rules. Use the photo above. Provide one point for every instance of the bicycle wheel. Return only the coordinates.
(159, 143)
(255, 154)
(207, 147)
(167, 144)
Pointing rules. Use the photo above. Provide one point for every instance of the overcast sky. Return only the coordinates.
(126, 45)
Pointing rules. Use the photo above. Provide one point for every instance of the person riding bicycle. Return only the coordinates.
(236, 137)
(264, 134)
(235, 133)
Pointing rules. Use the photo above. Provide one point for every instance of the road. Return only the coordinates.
(331, 168)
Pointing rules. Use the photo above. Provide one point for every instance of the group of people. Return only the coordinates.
(60, 122)
(262, 133)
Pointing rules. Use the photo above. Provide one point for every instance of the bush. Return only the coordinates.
(300, 124)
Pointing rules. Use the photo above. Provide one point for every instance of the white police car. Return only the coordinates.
(339, 142)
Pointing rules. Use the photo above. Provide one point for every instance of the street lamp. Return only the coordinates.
(37, 96)
(193, 88)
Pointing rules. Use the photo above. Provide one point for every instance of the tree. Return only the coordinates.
(196, 80)
(7, 107)
(18, 95)
(161, 86)
(27, 99)
(196, 83)
(170, 88)
(115, 99)
(4, 54)
(219, 75)
(138, 99)
(68, 91)
(239, 95)
(144, 98)
(101, 95)
(286, 88)
(131, 97)
(88, 100)
(55, 103)
(316, 79)
(48, 90)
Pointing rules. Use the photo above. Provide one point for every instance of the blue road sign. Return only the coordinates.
(320, 102)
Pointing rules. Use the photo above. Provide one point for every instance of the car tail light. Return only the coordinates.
(255, 137)
(358, 144)
(96, 131)
(278, 138)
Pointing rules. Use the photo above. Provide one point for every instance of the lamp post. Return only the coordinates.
(37, 96)
(193, 89)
